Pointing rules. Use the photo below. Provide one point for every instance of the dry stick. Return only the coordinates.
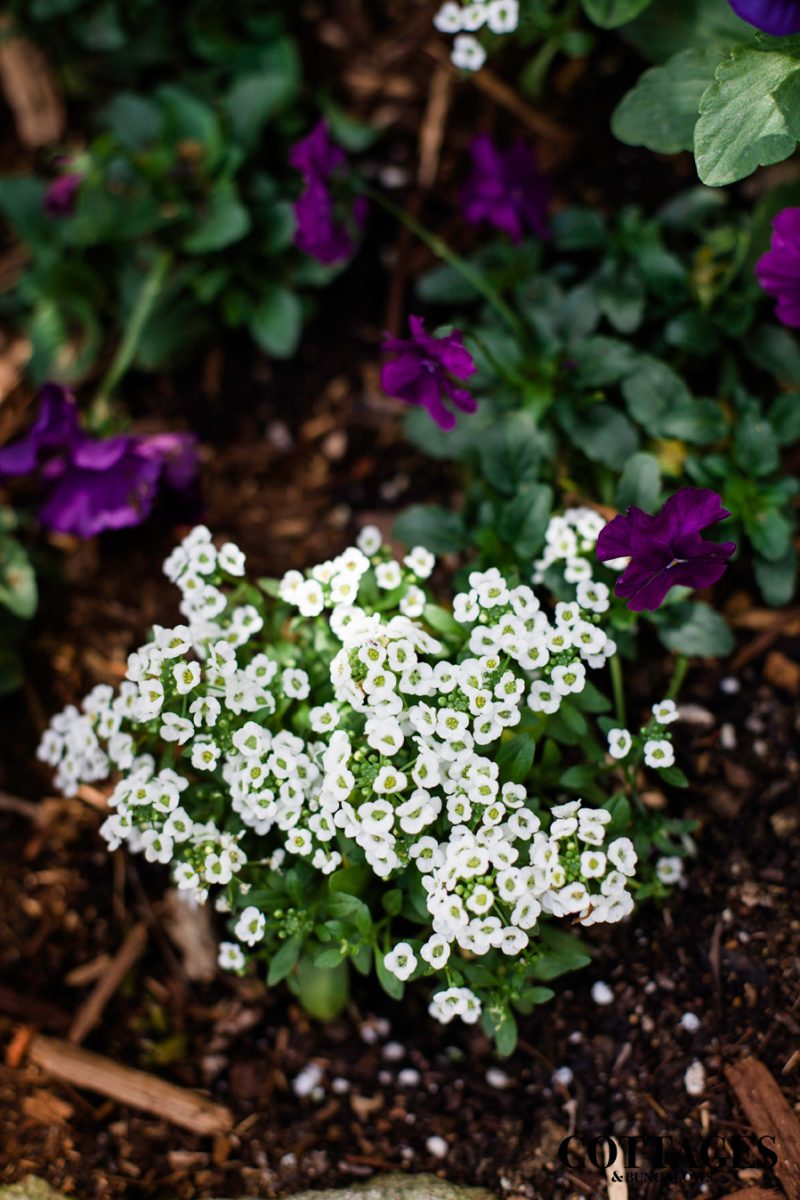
(90, 1012)
(431, 134)
(30, 88)
(769, 1113)
(79, 1067)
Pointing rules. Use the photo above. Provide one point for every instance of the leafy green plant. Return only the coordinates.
(365, 779)
(18, 599)
(641, 360)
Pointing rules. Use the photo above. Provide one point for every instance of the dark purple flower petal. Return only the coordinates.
(778, 270)
(424, 371)
(87, 502)
(324, 227)
(55, 429)
(780, 18)
(506, 189)
(178, 452)
(666, 549)
(61, 195)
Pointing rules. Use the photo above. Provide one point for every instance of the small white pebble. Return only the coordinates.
(563, 1075)
(288, 1160)
(340, 1086)
(308, 1080)
(384, 1078)
(695, 1078)
(408, 1077)
(575, 1038)
(690, 1022)
(727, 736)
(729, 685)
(602, 993)
(497, 1078)
(393, 1052)
(437, 1146)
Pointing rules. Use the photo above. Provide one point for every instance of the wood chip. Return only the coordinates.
(30, 88)
(193, 934)
(615, 1178)
(90, 1012)
(178, 1105)
(46, 1108)
(769, 1113)
(753, 1193)
(783, 672)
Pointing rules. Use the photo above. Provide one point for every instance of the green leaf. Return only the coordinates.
(770, 532)
(285, 960)
(500, 1024)
(443, 622)
(777, 579)
(741, 126)
(563, 953)
(608, 14)
(784, 417)
(674, 776)
(392, 901)
(755, 445)
(652, 391)
(604, 435)
(694, 629)
(512, 451)
(428, 525)
(523, 521)
(776, 351)
(661, 111)
(276, 322)
(187, 118)
(639, 483)
(12, 675)
(256, 96)
(18, 591)
(224, 221)
(620, 295)
(322, 990)
(579, 777)
(134, 120)
(579, 229)
(670, 26)
(601, 361)
(515, 757)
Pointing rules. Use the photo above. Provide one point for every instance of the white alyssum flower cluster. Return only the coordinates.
(330, 726)
(465, 20)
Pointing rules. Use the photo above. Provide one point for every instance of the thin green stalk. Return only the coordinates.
(618, 689)
(678, 676)
(126, 351)
(441, 249)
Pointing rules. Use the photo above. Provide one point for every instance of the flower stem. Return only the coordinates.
(140, 313)
(678, 675)
(618, 689)
(442, 250)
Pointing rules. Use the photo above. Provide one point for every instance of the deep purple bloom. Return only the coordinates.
(780, 18)
(506, 189)
(60, 197)
(96, 483)
(778, 271)
(423, 372)
(324, 227)
(666, 550)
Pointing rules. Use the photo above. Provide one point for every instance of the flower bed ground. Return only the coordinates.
(724, 950)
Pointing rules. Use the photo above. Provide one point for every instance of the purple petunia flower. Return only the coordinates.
(778, 271)
(323, 230)
(666, 550)
(780, 18)
(60, 197)
(423, 371)
(96, 483)
(506, 189)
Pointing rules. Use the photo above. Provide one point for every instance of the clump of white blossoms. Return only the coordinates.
(352, 772)
(466, 20)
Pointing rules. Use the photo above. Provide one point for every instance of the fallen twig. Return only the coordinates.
(126, 1085)
(30, 89)
(769, 1113)
(92, 1008)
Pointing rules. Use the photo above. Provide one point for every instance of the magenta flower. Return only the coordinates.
(61, 195)
(424, 370)
(776, 17)
(778, 271)
(666, 550)
(96, 483)
(506, 189)
(324, 225)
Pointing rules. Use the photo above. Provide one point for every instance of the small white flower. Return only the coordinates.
(619, 743)
(231, 559)
(369, 540)
(467, 54)
(670, 869)
(658, 753)
(666, 712)
(388, 575)
(250, 926)
(400, 962)
(186, 676)
(205, 756)
(231, 956)
(622, 854)
(175, 728)
(447, 20)
(295, 683)
(420, 561)
(502, 16)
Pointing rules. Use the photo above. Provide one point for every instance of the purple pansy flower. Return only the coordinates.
(96, 483)
(60, 197)
(506, 189)
(323, 230)
(423, 372)
(780, 18)
(666, 550)
(778, 271)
